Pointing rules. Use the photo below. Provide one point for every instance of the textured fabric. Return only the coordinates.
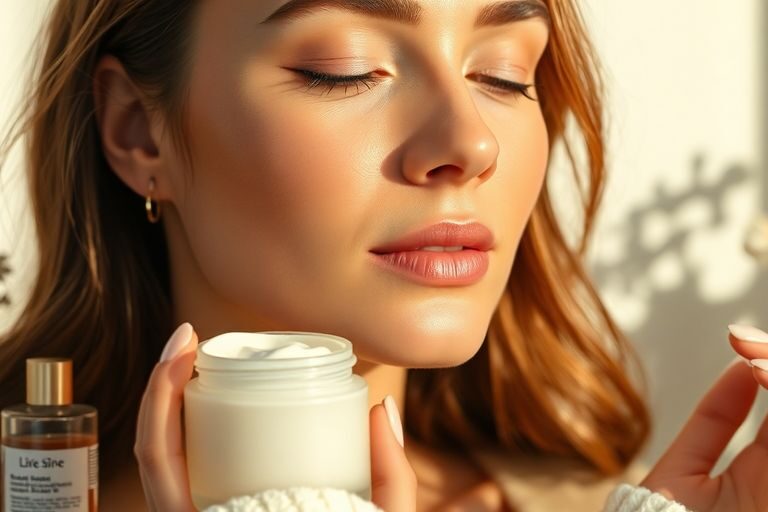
(627, 498)
(298, 499)
(535, 484)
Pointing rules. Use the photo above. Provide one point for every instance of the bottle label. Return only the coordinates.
(55, 480)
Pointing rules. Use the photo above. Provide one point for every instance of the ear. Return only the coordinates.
(130, 134)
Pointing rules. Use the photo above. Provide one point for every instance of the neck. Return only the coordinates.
(194, 299)
(383, 380)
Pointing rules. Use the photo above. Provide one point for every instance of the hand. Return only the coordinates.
(393, 482)
(683, 472)
(159, 446)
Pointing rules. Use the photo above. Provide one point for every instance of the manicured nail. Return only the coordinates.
(177, 341)
(761, 363)
(748, 333)
(394, 419)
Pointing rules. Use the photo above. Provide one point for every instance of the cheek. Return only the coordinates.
(274, 201)
(521, 173)
(262, 165)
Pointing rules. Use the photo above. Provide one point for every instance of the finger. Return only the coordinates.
(148, 494)
(145, 481)
(393, 482)
(748, 342)
(761, 438)
(705, 435)
(760, 371)
(159, 445)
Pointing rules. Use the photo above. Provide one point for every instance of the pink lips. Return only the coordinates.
(452, 267)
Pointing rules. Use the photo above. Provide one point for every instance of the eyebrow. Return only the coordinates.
(409, 11)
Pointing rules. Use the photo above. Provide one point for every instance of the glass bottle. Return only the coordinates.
(49, 445)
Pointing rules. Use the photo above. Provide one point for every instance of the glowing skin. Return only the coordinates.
(292, 187)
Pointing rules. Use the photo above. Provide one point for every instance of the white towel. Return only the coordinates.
(297, 499)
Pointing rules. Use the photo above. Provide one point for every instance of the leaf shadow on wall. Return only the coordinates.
(682, 337)
(5, 270)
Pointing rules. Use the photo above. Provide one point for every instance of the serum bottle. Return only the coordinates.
(49, 445)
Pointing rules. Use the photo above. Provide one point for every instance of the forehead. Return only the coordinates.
(411, 12)
(407, 12)
(231, 32)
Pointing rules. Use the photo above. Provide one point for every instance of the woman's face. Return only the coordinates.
(303, 191)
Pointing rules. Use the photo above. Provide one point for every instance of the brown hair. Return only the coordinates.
(550, 378)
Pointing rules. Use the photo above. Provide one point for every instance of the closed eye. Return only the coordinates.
(330, 82)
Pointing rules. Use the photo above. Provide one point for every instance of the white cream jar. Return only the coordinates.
(275, 410)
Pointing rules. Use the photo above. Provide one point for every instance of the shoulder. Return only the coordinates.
(538, 483)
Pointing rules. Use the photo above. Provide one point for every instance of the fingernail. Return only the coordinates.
(748, 333)
(760, 363)
(394, 419)
(749, 363)
(177, 341)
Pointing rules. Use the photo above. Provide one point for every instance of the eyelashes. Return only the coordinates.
(515, 88)
(329, 82)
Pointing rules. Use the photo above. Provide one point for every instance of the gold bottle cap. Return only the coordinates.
(49, 381)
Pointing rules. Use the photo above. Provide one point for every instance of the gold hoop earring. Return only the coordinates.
(150, 205)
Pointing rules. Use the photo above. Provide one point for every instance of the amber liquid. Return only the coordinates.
(56, 442)
(50, 441)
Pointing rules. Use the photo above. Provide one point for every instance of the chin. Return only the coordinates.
(419, 349)
(420, 334)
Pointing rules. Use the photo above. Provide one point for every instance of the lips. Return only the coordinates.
(445, 254)
(448, 235)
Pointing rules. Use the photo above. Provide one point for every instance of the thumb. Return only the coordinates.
(393, 482)
(159, 446)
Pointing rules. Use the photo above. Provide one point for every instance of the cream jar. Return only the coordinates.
(274, 410)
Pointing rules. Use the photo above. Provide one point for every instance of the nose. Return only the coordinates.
(451, 143)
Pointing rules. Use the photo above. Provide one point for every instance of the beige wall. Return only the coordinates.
(19, 20)
(687, 116)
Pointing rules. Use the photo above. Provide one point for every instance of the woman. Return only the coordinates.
(371, 169)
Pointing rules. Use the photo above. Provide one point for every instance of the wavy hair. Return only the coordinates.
(552, 376)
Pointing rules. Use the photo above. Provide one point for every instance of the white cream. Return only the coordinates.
(242, 345)
(288, 351)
